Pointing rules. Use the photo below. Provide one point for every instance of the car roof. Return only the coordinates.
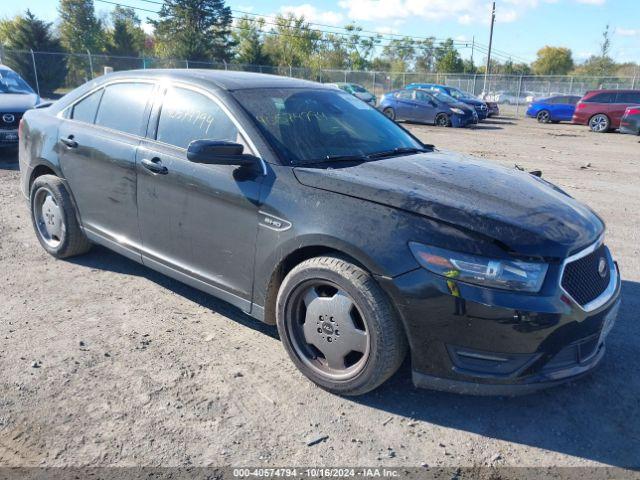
(612, 90)
(221, 79)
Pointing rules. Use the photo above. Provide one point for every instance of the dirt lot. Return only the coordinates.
(104, 362)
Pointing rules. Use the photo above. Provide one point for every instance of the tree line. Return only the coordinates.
(206, 31)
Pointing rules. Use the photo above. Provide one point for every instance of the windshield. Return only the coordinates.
(311, 126)
(443, 97)
(11, 82)
(358, 88)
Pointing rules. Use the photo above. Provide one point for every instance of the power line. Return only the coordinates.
(457, 43)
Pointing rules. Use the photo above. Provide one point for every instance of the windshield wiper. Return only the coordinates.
(341, 158)
(397, 151)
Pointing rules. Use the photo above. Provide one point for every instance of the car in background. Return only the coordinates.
(630, 122)
(462, 96)
(553, 109)
(602, 110)
(16, 97)
(493, 110)
(427, 106)
(358, 91)
(508, 97)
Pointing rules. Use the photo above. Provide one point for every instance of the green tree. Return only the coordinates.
(197, 30)
(24, 33)
(602, 64)
(400, 53)
(80, 31)
(250, 42)
(126, 37)
(359, 49)
(426, 55)
(553, 61)
(447, 58)
(291, 42)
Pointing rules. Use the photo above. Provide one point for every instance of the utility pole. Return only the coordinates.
(486, 71)
(473, 46)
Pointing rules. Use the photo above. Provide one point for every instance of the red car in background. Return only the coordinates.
(602, 110)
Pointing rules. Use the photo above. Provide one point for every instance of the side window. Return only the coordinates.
(187, 115)
(123, 105)
(405, 94)
(423, 96)
(628, 97)
(85, 110)
(604, 97)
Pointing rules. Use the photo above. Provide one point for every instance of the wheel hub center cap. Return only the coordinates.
(327, 328)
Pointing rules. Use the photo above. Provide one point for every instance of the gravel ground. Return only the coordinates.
(106, 363)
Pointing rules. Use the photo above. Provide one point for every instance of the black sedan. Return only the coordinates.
(307, 208)
(630, 122)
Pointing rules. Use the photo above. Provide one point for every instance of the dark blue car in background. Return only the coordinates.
(416, 105)
(559, 108)
(464, 97)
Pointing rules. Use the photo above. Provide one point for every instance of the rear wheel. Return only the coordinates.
(599, 123)
(338, 326)
(390, 113)
(544, 116)
(442, 120)
(54, 219)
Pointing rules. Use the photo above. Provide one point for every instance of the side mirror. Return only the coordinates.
(217, 152)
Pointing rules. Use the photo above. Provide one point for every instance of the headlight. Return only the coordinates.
(488, 272)
(459, 111)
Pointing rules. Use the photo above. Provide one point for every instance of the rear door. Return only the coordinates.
(98, 143)
(425, 107)
(405, 105)
(198, 220)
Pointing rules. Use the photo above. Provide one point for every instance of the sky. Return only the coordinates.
(522, 26)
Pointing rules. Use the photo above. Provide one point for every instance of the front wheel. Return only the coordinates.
(442, 120)
(599, 123)
(390, 113)
(338, 326)
(543, 116)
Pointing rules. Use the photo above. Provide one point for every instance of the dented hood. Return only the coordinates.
(522, 212)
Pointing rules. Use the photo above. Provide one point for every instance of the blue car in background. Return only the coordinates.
(464, 97)
(554, 109)
(427, 106)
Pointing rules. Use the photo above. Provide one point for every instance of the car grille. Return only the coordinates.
(481, 107)
(581, 278)
(8, 123)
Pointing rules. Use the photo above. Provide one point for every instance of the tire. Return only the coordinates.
(349, 308)
(442, 120)
(599, 123)
(544, 116)
(390, 113)
(54, 218)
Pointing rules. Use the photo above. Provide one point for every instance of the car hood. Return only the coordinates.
(520, 211)
(472, 101)
(17, 102)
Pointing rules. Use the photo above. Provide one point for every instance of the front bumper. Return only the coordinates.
(630, 127)
(8, 138)
(475, 340)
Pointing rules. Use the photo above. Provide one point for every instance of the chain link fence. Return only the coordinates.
(55, 73)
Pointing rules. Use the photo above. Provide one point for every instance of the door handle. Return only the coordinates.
(69, 141)
(154, 165)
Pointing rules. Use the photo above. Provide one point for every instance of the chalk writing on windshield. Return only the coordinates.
(290, 118)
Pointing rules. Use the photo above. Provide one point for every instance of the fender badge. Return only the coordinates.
(274, 223)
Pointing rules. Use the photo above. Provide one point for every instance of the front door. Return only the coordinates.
(197, 220)
(425, 107)
(405, 105)
(97, 145)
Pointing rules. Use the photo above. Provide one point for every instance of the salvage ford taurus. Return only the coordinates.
(307, 208)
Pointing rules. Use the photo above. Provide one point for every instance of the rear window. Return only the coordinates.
(628, 97)
(603, 97)
(123, 105)
(85, 110)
